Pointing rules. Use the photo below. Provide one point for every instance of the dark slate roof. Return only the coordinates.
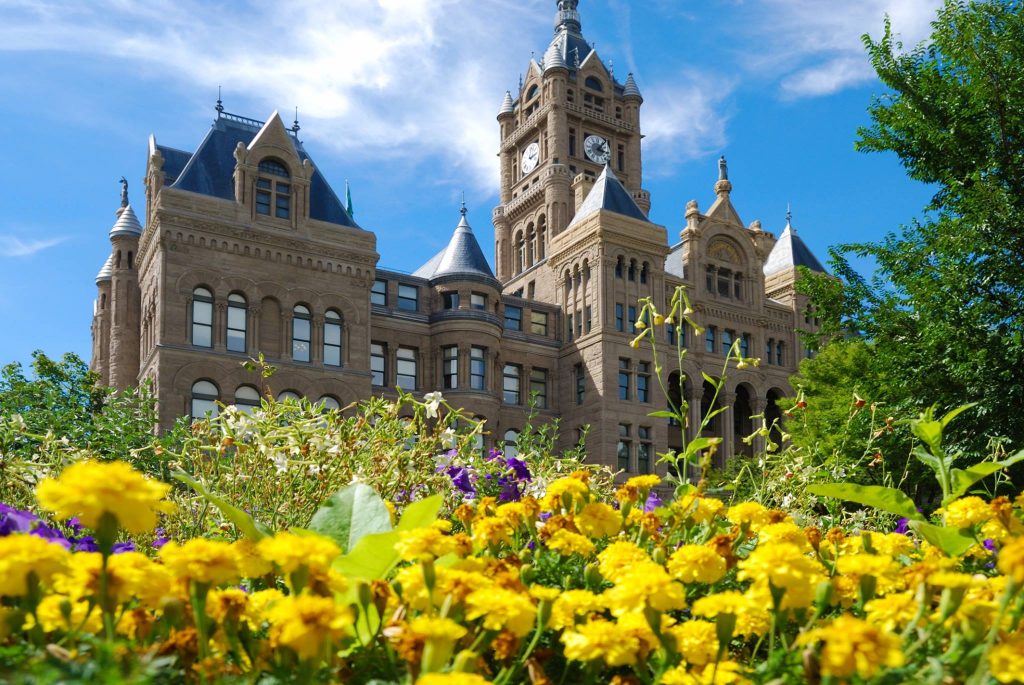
(610, 195)
(790, 252)
(210, 170)
(462, 257)
(674, 262)
(174, 161)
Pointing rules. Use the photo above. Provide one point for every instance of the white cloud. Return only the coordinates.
(13, 246)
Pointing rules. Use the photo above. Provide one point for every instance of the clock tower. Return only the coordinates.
(569, 120)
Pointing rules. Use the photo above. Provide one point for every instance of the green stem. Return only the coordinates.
(982, 670)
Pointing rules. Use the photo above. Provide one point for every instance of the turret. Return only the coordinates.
(101, 323)
(125, 299)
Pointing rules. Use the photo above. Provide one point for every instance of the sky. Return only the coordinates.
(400, 98)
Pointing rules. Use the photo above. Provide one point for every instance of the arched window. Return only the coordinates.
(329, 403)
(726, 342)
(631, 274)
(520, 252)
(204, 399)
(202, 318)
(530, 238)
(618, 267)
(301, 333)
(332, 338)
(273, 189)
(237, 313)
(247, 398)
(532, 92)
(286, 395)
(542, 234)
(511, 435)
(595, 83)
(643, 273)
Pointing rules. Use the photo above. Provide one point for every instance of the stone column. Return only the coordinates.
(220, 326)
(316, 338)
(728, 425)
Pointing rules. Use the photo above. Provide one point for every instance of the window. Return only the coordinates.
(329, 403)
(477, 368)
(643, 449)
(618, 267)
(624, 447)
(572, 141)
(779, 352)
(643, 274)
(237, 311)
(631, 273)
(622, 148)
(620, 323)
(332, 338)
(624, 379)
(581, 383)
(568, 327)
(745, 345)
(709, 339)
(377, 362)
(737, 286)
(632, 319)
(408, 297)
(273, 193)
(769, 350)
(727, 342)
(670, 332)
(204, 400)
(478, 301)
(579, 323)
(202, 318)
(594, 82)
(513, 318)
(405, 368)
(301, 330)
(450, 367)
(724, 282)
(379, 293)
(710, 279)
(510, 384)
(539, 323)
(590, 319)
(511, 436)
(247, 398)
(449, 300)
(643, 382)
(539, 387)
(288, 396)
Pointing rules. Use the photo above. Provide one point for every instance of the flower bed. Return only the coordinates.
(567, 587)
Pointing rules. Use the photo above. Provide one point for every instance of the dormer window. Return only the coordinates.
(595, 83)
(273, 190)
(532, 106)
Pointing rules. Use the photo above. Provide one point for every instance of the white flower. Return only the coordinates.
(788, 500)
(432, 400)
(280, 462)
(314, 469)
(448, 437)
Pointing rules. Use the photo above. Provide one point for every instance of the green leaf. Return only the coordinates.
(928, 459)
(887, 499)
(709, 379)
(963, 479)
(350, 514)
(663, 415)
(250, 528)
(952, 541)
(371, 558)
(929, 432)
(953, 413)
(421, 513)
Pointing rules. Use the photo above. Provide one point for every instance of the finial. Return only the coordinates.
(220, 104)
(295, 124)
(520, 84)
(576, 58)
(124, 191)
(463, 211)
(611, 69)
(348, 200)
(789, 216)
(723, 169)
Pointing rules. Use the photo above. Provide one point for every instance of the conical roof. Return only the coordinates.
(127, 224)
(462, 256)
(553, 58)
(106, 271)
(631, 89)
(610, 195)
(507, 106)
(790, 252)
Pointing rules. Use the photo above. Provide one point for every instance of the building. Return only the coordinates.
(246, 249)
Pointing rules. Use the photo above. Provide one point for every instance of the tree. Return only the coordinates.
(943, 315)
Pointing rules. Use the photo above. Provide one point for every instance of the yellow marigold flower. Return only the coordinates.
(21, 555)
(571, 604)
(502, 609)
(966, 512)
(697, 641)
(229, 604)
(451, 679)
(289, 551)
(696, 564)
(491, 531)
(307, 624)
(698, 509)
(258, 605)
(391, 510)
(251, 563)
(436, 628)
(201, 560)
(784, 566)
(783, 532)
(601, 639)
(645, 586)
(619, 557)
(884, 569)
(751, 513)
(58, 612)
(1006, 660)
(598, 520)
(423, 544)
(568, 489)
(89, 489)
(854, 647)
(892, 544)
(643, 482)
(1011, 560)
(892, 612)
(951, 579)
(751, 610)
(129, 575)
(722, 673)
(568, 543)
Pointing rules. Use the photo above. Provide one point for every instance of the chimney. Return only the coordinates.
(581, 186)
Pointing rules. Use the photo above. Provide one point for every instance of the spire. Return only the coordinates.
(124, 192)
(631, 89)
(789, 218)
(463, 255)
(127, 224)
(220, 104)
(295, 124)
(568, 17)
(348, 200)
(609, 195)
(790, 251)
(507, 106)
(553, 58)
(106, 271)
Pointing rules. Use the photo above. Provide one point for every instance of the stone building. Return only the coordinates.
(247, 249)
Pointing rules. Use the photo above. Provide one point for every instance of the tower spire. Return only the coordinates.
(220, 104)
(568, 17)
(789, 216)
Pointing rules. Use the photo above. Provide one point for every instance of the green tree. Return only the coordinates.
(943, 315)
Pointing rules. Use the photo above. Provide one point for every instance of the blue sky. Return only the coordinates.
(400, 97)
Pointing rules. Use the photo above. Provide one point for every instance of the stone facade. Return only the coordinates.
(247, 250)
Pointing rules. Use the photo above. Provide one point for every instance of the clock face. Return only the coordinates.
(531, 157)
(597, 149)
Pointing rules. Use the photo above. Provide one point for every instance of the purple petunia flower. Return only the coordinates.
(902, 526)
(460, 476)
(161, 538)
(494, 454)
(653, 502)
(509, 490)
(86, 543)
(15, 520)
(52, 535)
(121, 547)
(520, 468)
